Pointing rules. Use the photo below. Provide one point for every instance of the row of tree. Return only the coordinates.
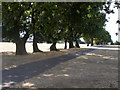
(54, 21)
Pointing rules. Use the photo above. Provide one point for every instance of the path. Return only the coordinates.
(83, 69)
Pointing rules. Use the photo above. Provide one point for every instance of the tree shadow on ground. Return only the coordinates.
(30, 70)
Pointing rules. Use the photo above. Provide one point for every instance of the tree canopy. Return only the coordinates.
(52, 21)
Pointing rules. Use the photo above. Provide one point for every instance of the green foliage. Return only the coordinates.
(117, 43)
(14, 20)
(54, 21)
(104, 37)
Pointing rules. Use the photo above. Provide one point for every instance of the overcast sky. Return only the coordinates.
(112, 26)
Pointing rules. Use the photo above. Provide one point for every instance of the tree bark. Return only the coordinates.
(20, 45)
(20, 48)
(77, 44)
(71, 44)
(65, 44)
(53, 47)
(92, 42)
(87, 44)
(35, 46)
(71, 38)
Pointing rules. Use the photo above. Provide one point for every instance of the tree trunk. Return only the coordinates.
(20, 48)
(71, 38)
(65, 44)
(71, 44)
(35, 46)
(53, 47)
(87, 44)
(20, 45)
(77, 44)
(92, 42)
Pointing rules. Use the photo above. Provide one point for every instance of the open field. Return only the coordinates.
(10, 47)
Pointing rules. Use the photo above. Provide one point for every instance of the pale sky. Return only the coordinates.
(112, 26)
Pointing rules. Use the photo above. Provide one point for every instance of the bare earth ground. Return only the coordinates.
(9, 60)
(71, 68)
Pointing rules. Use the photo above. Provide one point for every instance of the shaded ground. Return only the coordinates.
(80, 69)
(9, 60)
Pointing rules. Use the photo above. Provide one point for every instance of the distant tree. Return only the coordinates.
(117, 43)
(94, 25)
(103, 38)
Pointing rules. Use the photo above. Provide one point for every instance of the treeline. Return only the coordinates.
(116, 43)
(54, 21)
